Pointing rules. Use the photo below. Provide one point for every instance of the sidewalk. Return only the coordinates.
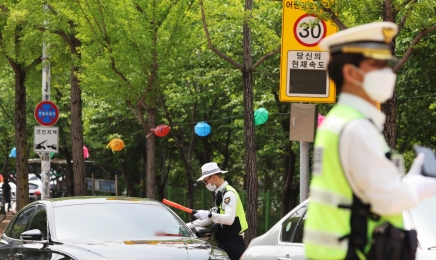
(5, 222)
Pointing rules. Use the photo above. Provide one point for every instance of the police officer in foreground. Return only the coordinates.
(356, 187)
(227, 214)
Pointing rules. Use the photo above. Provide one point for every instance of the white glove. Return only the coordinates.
(202, 214)
(424, 186)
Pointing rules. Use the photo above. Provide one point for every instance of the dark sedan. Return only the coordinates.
(101, 228)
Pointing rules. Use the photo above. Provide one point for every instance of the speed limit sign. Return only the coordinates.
(303, 66)
(306, 35)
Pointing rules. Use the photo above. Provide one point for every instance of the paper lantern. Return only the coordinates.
(260, 116)
(85, 152)
(13, 153)
(116, 145)
(320, 119)
(202, 129)
(161, 130)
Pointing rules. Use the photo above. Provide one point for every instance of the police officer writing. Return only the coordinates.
(356, 186)
(227, 214)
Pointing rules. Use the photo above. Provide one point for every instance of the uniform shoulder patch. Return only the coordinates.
(227, 200)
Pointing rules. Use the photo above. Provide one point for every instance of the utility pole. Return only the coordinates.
(45, 162)
(304, 170)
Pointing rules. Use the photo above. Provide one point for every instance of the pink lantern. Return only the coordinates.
(320, 119)
(85, 152)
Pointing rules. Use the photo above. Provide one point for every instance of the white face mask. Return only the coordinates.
(211, 187)
(379, 84)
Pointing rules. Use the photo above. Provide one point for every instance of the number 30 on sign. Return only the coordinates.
(307, 33)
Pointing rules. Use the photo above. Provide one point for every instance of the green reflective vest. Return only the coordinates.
(327, 227)
(240, 224)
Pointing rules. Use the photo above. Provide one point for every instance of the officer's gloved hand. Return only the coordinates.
(202, 214)
(425, 186)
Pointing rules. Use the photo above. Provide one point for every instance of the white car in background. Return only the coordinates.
(35, 187)
(284, 240)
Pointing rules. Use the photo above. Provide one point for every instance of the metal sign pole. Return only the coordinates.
(304, 170)
(45, 162)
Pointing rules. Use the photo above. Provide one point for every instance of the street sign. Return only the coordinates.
(303, 67)
(46, 139)
(46, 113)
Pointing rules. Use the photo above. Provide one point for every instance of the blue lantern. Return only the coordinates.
(13, 153)
(260, 116)
(202, 129)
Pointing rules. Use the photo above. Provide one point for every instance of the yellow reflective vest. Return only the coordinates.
(239, 225)
(328, 228)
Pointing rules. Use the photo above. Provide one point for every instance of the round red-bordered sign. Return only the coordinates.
(46, 113)
(309, 37)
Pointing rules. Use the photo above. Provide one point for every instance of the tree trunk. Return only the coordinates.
(129, 184)
(389, 108)
(5, 166)
(77, 136)
(206, 155)
(69, 173)
(189, 189)
(250, 148)
(289, 171)
(250, 159)
(151, 157)
(143, 163)
(164, 176)
(21, 163)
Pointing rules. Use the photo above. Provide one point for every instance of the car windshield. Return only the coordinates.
(116, 222)
(423, 218)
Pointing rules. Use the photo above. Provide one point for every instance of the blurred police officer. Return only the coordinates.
(356, 186)
(227, 214)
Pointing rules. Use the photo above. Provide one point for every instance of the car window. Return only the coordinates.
(21, 222)
(39, 221)
(32, 186)
(289, 226)
(117, 221)
(298, 238)
(33, 177)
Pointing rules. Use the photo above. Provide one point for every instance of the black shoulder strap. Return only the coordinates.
(360, 214)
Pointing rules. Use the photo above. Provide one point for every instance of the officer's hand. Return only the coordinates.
(424, 186)
(202, 214)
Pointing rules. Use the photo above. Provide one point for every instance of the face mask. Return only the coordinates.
(379, 84)
(211, 187)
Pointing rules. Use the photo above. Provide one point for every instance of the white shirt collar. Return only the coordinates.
(221, 188)
(364, 107)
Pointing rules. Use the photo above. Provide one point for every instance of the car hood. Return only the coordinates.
(168, 249)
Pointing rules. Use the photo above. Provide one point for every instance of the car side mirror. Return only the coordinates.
(33, 236)
(203, 233)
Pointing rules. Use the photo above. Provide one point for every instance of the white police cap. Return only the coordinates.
(372, 40)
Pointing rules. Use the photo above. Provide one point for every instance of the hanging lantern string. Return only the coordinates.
(151, 132)
(208, 121)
